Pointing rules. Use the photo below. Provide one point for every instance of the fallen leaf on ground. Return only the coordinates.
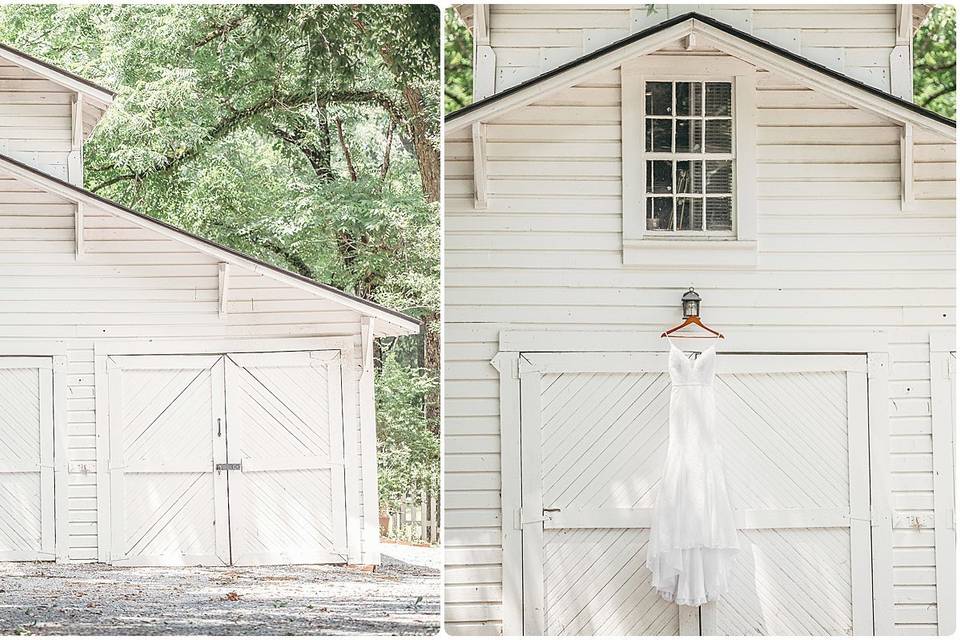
(233, 596)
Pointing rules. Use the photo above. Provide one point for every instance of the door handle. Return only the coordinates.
(219, 425)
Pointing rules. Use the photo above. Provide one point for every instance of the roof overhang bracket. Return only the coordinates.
(78, 229)
(479, 131)
(484, 57)
(367, 329)
(223, 284)
(75, 157)
(907, 201)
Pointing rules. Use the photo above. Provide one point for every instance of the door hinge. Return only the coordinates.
(228, 466)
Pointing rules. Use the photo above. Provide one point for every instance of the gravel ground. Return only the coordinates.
(96, 599)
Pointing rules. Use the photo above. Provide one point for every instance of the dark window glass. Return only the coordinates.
(689, 214)
(719, 214)
(659, 133)
(719, 136)
(659, 99)
(660, 214)
(689, 136)
(718, 101)
(659, 176)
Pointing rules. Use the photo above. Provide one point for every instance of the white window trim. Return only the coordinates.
(641, 248)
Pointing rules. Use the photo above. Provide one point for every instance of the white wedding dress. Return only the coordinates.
(693, 535)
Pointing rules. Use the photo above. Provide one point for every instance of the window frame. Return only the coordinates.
(674, 156)
(640, 246)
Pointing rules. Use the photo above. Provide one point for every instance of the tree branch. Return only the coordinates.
(927, 100)
(241, 117)
(346, 150)
(385, 165)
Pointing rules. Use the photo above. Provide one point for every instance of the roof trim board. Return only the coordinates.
(727, 38)
(403, 323)
(60, 76)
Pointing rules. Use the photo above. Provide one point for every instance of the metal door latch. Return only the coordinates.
(228, 466)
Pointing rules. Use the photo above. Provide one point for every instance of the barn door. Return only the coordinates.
(286, 434)
(26, 459)
(593, 439)
(167, 505)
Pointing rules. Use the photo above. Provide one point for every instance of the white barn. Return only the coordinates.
(165, 400)
(770, 157)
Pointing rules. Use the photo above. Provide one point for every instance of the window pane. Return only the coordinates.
(659, 176)
(718, 99)
(689, 214)
(689, 136)
(719, 176)
(719, 214)
(719, 137)
(689, 98)
(659, 214)
(689, 176)
(659, 133)
(659, 99)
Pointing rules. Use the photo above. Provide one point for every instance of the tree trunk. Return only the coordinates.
(428, 156)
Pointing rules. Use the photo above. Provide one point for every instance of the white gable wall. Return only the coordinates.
(836, 253)
(132, 284)
(35, 119)
(856, 40)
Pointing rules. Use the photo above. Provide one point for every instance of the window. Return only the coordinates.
(689, 158)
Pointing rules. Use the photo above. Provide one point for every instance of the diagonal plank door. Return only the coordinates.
(26, 459)
(167, 430)
(593, 439)
(284, 414)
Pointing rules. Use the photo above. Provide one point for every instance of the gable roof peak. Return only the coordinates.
(730, 39)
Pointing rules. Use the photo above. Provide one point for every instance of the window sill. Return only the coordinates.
(682, 252)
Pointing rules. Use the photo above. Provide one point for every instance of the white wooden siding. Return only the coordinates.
(133, 283)
(854, 39)
(35, 120)
(836, 251)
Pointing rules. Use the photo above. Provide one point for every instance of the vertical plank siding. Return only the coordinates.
(132, 284)
(835, 251)
(531, 39)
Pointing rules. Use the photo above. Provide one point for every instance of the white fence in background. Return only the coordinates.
(417, 520)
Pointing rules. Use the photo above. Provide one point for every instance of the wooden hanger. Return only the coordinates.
(686, 323)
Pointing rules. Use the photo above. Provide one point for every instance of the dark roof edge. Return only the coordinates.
(267, 265)
(640, 35)
(57, 69)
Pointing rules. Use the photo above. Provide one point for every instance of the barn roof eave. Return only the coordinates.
(736, 42)
(58, 75)
(392, 322)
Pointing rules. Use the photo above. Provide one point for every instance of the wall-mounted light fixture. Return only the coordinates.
(691, 304)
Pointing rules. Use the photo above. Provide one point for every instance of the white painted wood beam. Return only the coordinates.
(78, 227)
(907, 201)
(75, 157)
(484, 57)
(901, 56)
(367, 331)
(480, 165)
(223, 284)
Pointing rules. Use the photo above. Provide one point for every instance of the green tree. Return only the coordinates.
(305, 135)
(935, 61)
(457, 63)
